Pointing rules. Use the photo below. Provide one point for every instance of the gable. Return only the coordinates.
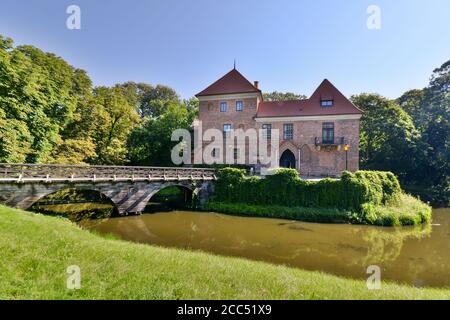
(232, 82)
(311, 106)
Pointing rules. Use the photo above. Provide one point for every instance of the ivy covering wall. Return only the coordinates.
(286, 188)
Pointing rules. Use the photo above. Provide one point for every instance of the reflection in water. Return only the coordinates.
(415, 255)
(385, 246)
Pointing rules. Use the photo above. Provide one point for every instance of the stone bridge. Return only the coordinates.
(129, 188)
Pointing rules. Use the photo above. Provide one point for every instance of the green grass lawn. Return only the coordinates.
(36, 250)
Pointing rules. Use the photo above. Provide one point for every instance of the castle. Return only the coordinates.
(318, 136)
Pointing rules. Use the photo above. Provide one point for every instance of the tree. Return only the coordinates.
(24, 103)
(50, 112)
(72, 151)
(282, 96)
(150, 144)
(76, 142)
(148, 101)
(192, 106)
(430, 110)
(51, 100)
(388, 136)
(412, 101)
(115, 119)
(437, 132)
(38, 98)
(55, 84)
(15, 138)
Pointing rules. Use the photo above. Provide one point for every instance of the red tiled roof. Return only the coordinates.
(232, 82)
(311, 106)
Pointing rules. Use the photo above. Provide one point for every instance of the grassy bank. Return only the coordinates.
(36, 251)
(406, 210)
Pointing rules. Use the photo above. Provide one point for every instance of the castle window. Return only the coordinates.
(288, 131)
(327, 103)
(223, 107)
(239, 105)
(236, 153)
(328, 133)
(267, 131)
(226, 129)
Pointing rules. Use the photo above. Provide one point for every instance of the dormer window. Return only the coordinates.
(328, 103)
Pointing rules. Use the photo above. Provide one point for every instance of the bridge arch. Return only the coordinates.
(128, 197)
(142, 194)
(40, 193)
(129, 188)
(184, 195)
(103, 198)
(187, 187)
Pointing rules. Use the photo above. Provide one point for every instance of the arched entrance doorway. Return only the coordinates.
(287, 159)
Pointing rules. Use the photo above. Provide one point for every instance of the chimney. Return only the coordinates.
(256, 84)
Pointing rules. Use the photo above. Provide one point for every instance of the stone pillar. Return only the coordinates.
(204, 192)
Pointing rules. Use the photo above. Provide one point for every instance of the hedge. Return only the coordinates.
(324, 215)
(285, 188)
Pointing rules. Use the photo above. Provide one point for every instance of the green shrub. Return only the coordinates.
(391, 187)
(382, 187)
(371, 197)
(283, 175)
(406, 210)
(284, 187)
(229, 183)
(284, 181)
(368, 213)
(325, 215)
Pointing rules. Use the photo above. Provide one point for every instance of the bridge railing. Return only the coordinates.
(56, 172)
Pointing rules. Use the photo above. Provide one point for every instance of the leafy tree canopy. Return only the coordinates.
(282, 96)
(388, 135)
(148, 100)
(151, 143)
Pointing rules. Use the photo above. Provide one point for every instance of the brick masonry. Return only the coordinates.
(311, 160)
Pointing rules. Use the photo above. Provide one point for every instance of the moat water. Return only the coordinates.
(418, 256)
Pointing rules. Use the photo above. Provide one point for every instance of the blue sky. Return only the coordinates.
(286, 45)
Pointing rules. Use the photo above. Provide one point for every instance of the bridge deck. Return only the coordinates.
(35, 173)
